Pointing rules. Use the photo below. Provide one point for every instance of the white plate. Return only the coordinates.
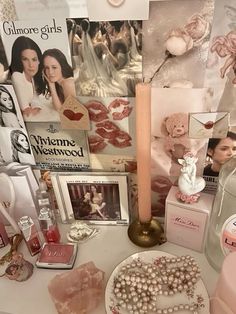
(199, 296)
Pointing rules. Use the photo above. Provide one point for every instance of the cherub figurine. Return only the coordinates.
(189, 184)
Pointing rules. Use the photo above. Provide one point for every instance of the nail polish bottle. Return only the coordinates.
(49, 225)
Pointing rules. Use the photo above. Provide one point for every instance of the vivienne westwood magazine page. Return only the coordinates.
(35, 49)
(56, 148)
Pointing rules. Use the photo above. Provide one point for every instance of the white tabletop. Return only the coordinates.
(106, 250)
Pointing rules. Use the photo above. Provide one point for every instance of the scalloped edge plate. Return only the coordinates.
(199, 296)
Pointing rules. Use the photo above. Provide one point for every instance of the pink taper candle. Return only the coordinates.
(143, 140)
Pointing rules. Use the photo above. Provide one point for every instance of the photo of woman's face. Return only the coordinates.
(223, 151)
(6, 100)
(22, 140)
(52, 69)
(30, 62)
(93, 189)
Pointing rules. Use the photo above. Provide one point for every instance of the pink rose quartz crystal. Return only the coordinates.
(78, 291)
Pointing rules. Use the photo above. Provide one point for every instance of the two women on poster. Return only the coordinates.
(39, 61)
(109, 65)
(47, 74)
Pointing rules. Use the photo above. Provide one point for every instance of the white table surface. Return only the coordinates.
(106, 250)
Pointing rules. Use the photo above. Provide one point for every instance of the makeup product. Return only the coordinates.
(30, 234)
(186, 224)
(57, 255)
(3, 236)
(49, 225)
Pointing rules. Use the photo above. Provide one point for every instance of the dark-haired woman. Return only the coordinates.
(59, 77)
(219, 151)
(8, 116)
(26, 71)
(21, 151)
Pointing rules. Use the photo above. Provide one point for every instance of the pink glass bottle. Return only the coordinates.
(48, 225)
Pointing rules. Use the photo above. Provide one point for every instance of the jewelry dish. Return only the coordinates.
(156, 282)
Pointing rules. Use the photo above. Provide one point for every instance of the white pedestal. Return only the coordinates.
(186, 224)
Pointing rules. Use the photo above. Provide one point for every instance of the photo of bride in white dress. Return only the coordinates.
(106, 56)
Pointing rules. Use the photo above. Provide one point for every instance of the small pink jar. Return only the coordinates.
(224, 299)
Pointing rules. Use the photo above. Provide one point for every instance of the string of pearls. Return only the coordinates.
(137, 285)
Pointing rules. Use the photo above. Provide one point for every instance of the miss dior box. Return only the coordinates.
(186, 224)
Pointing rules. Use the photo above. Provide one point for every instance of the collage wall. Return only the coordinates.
(67, 91)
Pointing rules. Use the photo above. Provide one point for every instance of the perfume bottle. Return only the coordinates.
(43, 197)
(221, 238)
(49, 225)
(30, 234)
(3, 236)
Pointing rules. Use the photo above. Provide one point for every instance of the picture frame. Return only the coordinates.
(93, 197)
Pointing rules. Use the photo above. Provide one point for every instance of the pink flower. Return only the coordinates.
(225, 45)
(198, 28)
(178, 42)
(231, 41)
(187, 199)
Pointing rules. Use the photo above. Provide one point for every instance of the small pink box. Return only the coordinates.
(223, 300)
(186, 224)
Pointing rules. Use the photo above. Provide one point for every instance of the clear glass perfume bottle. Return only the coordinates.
(49, 225)
(43, 197)
(221, 238)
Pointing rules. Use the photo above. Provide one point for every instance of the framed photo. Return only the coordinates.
(97, 198)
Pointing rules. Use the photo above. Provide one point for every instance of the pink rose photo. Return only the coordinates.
(175, 42)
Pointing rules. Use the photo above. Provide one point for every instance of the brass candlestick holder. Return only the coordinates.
(146, 234)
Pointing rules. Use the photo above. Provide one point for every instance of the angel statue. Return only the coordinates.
(189, 184)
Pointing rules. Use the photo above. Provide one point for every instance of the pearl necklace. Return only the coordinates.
(138, 284)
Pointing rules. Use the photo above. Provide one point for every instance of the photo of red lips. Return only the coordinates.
(107, 129)
(121, 140)
(97, 111)
(96, 143)
(118, 103)
(71, 115)
(161, 184)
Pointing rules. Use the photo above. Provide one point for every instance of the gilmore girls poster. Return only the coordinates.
(27, 44)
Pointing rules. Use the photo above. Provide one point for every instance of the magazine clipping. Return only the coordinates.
(97, 197)
(219, 151)
(56, 148)
(38, 54)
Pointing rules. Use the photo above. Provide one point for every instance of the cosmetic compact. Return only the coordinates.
(57, 255)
